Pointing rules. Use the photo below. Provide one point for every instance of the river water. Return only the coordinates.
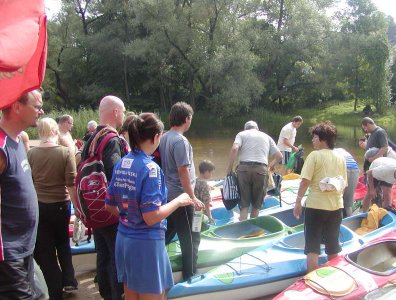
(216, 144)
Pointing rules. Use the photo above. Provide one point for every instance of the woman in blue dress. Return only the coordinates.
(137, 194)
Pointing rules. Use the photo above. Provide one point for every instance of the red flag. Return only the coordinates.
(23, 48)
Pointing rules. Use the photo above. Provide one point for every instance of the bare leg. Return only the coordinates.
(152, 296)
(130, 294)
(387, 194)
(244, 214)
(254, 213)
(312, 261)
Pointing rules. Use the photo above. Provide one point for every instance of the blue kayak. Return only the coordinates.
(271, 268)
(83, 247)
(222, 216)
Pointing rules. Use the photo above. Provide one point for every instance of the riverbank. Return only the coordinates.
(339, 112)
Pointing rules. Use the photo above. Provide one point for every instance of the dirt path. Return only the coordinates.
(86, 288)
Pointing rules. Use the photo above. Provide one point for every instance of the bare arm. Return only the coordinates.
(233, 156)
(153, 217)
(185, 181)
(208, 212)
(3, 162)
(277, 157)
(304, 184)
(370, 179)
(73, 194)
(288, 144)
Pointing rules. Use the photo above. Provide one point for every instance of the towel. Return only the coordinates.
(374, 217)
(332, 183)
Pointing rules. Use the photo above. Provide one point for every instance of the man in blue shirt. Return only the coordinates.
(19, 208)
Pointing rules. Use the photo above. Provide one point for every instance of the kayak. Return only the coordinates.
(272, 267)
(83, 247)
(222, 216)
(83, 257)
(349, 276)
(388, 292)
(361, 190)
(222, 243)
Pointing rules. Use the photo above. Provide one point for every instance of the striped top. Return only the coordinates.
(351, 163)
(137, 187)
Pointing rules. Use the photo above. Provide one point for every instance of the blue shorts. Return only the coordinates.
(143, 265)
(322, 227)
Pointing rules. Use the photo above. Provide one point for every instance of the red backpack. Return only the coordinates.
(91, 184)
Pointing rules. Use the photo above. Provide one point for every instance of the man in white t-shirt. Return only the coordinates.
(253, 148)
(286, 140)
(382, 171)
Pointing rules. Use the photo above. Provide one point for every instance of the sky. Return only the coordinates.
(386, 6)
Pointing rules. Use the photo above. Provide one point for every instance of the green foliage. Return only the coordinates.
(224, 57)
(81, 118)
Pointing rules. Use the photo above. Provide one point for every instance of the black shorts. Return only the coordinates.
(17, 279)
(322, 227)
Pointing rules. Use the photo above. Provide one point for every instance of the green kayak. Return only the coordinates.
(223, 243)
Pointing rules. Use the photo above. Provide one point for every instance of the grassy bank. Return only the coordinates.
(340, 113)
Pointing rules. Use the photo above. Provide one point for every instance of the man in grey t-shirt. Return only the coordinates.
(178, 166)
(253, 148)
(378, 139)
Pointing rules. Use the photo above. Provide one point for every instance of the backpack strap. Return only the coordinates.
(97, 149)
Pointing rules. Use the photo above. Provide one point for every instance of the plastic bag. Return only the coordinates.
(78, 231)
(40, 286)
(230, 191)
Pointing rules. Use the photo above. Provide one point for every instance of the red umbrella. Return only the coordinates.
(23, 48)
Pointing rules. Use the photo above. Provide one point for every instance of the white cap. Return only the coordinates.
(371, 152)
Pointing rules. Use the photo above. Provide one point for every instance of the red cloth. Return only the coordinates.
(23, 45)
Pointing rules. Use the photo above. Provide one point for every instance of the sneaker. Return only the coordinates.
(69, 288)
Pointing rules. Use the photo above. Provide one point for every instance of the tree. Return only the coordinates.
(366, 64)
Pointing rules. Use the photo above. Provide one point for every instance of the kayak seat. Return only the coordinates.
(330, 281)
(287, 217)
(354, 222)
(269, 202)
(378, 259)
(239, 230)
(221, 213)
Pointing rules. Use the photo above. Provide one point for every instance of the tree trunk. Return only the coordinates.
(162, 96)
(192, 91)
(126, 87)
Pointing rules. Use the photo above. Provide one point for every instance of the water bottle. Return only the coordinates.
(197, 221)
